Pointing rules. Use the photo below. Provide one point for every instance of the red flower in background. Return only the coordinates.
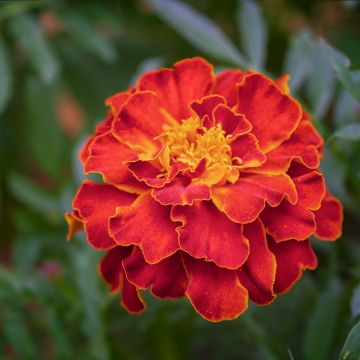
(211, 190)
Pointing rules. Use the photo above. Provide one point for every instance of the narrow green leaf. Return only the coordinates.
(322, 322)
(5, 77)
(253, 32)
(298, 59)
(321, 83)
(341, 65)
(351, 349)
(199, 30)
(355, 302)
(345, 111)
(349, 132)
(27, 31)
(83, 31)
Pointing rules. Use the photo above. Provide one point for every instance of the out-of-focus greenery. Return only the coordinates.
(59, 60)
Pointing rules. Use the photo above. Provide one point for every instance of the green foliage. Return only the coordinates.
(58, 62)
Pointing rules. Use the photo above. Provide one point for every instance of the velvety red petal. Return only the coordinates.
(329, 218)
(206, 106)
(206, 233)
(287, 221)
(95, 204)
(191, 79)
(225, 85)
(166, 279)
(245, 149)
(146, 223)
(273, 115)
(231, 122)
(292, 258)
(117, 101)
(75, 223)
(181, 192)
(258, 272)
(131, 299)
(243, 202)
(215, 293)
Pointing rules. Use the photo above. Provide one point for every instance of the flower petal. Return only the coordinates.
(166, 279)
(273, 115)
(191, 79)
(206, 105)
(181, 192)
(287, 221)
(225, 85)
(146, 223)
(243, 202)
(292, 258)
(117, 101)
(111, 269)
(215, 293)
(74, 222)
(258, 272)
(207, 233)
(329, 218)
(95, 204)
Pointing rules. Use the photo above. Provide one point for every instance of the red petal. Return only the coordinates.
(258, 272)
(166, 279)
(95, 204)
(117, 101)
(243, 202)
(74, 222)
(329, 218)
(181, 192)
(273, 115)
(206, 106)
(232, 123)
(111, 269)
(146, 223)
(282, 83)
(215, 293)
(292, 258)
(287, 221)
(246, 149)
(225, 85)
(207, 233)
(191, 79)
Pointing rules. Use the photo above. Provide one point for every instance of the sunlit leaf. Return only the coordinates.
(5, 76)
(27, 31)
(199, 30)
(351, 349)
(253, 32)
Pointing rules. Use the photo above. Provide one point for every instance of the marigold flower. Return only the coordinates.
(211, 190)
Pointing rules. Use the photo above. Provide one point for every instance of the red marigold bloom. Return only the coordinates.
(211, 190)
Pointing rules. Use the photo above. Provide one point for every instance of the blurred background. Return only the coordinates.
(59, 61)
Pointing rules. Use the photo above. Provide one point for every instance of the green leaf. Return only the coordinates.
(321, 83)
(199, 30)
(322, 322)
(345, 111)
(5, 77)
(298, 59)
(85, 34)
(349, 132)
(253, 32)
(27, 31)
(351, 349)
(355, 302)
(341, 65)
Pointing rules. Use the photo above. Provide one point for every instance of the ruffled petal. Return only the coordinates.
(208, 234)
(283, 83)
(147, 224)
(243, 202)
(288, 221)
(191, 79)
(95, 204)
(181, 192)
(112, 271)
(206, 106)
(117, 101)
(292, 258)
(166, 279)
(258, 272)
(225, 85)
(75, 223)
(215, 293)
(273, 115)
(329, 218)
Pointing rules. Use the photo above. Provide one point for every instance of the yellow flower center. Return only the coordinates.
(190, 142)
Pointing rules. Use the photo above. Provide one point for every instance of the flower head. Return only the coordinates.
(211, 190)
